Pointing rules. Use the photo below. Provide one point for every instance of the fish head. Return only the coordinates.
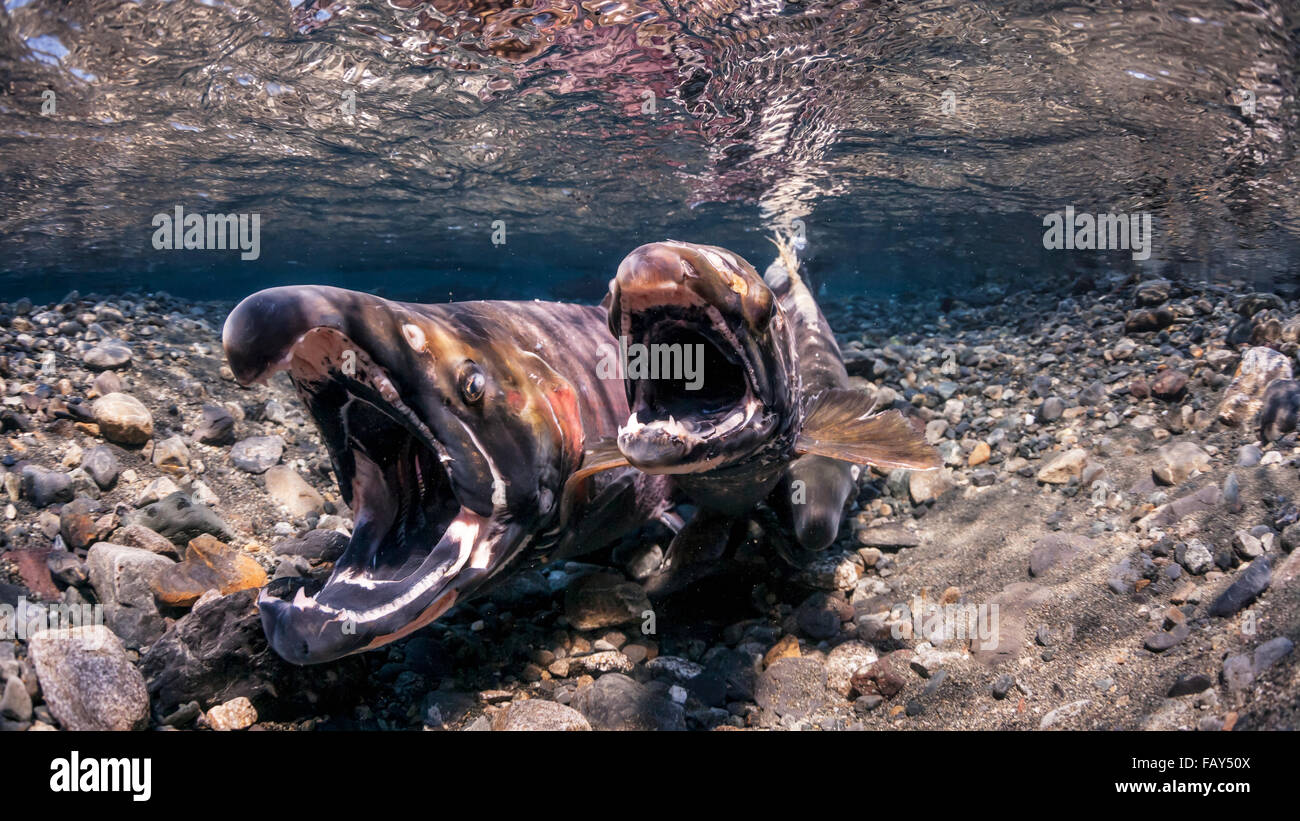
(448, 442)
(674, 301)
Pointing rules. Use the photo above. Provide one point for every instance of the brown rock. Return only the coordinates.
(604, 600)
(34, 571)
(208, 565)
(1060, 469)
(80, 523)
(1169, 385)
(927, 485)
(146, 539)
(123, 419)
(236, 714)
(536, 714)
(1147, 320)
(286, 487)
(786, 648)
(171, 455)
(886, 677)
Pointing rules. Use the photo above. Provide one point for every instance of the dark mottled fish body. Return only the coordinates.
(454, 430)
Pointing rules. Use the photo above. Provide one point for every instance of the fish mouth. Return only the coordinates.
(416, 548)
(684, 422)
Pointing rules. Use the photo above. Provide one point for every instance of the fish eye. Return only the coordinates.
(472, 382)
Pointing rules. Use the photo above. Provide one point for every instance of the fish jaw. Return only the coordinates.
(356, 611)
(434, 519)
(671, 298)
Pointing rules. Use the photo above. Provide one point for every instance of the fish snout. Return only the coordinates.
(690, 276)
(299, 638)
(264, 327)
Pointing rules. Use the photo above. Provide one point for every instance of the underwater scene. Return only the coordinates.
(701, 365)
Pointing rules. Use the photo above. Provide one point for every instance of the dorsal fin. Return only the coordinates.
(840, 425)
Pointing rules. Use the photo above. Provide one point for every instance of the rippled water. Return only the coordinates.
(919, 143)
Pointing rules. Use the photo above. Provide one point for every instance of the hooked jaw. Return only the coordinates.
(416, 548)
(673, 304)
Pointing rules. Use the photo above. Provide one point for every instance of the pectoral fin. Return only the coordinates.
(840, 425)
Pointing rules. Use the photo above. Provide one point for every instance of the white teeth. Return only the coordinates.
(632, 427)
(674, 428)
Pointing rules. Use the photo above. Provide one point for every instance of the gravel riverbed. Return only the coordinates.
(1117, 515)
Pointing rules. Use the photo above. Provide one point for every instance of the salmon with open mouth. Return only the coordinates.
(454, 431)
(771, 430)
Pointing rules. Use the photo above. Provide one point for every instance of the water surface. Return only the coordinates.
(918, 144)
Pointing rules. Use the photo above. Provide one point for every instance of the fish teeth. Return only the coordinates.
(632, 427)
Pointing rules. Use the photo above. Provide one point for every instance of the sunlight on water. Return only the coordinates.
(382, 144)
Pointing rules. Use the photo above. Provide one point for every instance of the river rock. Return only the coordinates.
(236, 714)
(291, 491)
(1152, 292)
(1147, 320)
(178, 518)
(208, 565)
(1063, 467)
(171, 455)
(927, 485)
(1258, 369)
(884, 677)
(793, 687)
(121, 577)
(216, 428)
(44, 487)
(616, 702)
(108, 355)
(316, 545)
(80, 523)
(257, 454)
(87, 681)
(604, 600)
(1175, 462)
(843, 662)
(1279, 409)
(1249, 583)
(101, 464)
(539, 714)
(1170, 385)
(123, 419)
